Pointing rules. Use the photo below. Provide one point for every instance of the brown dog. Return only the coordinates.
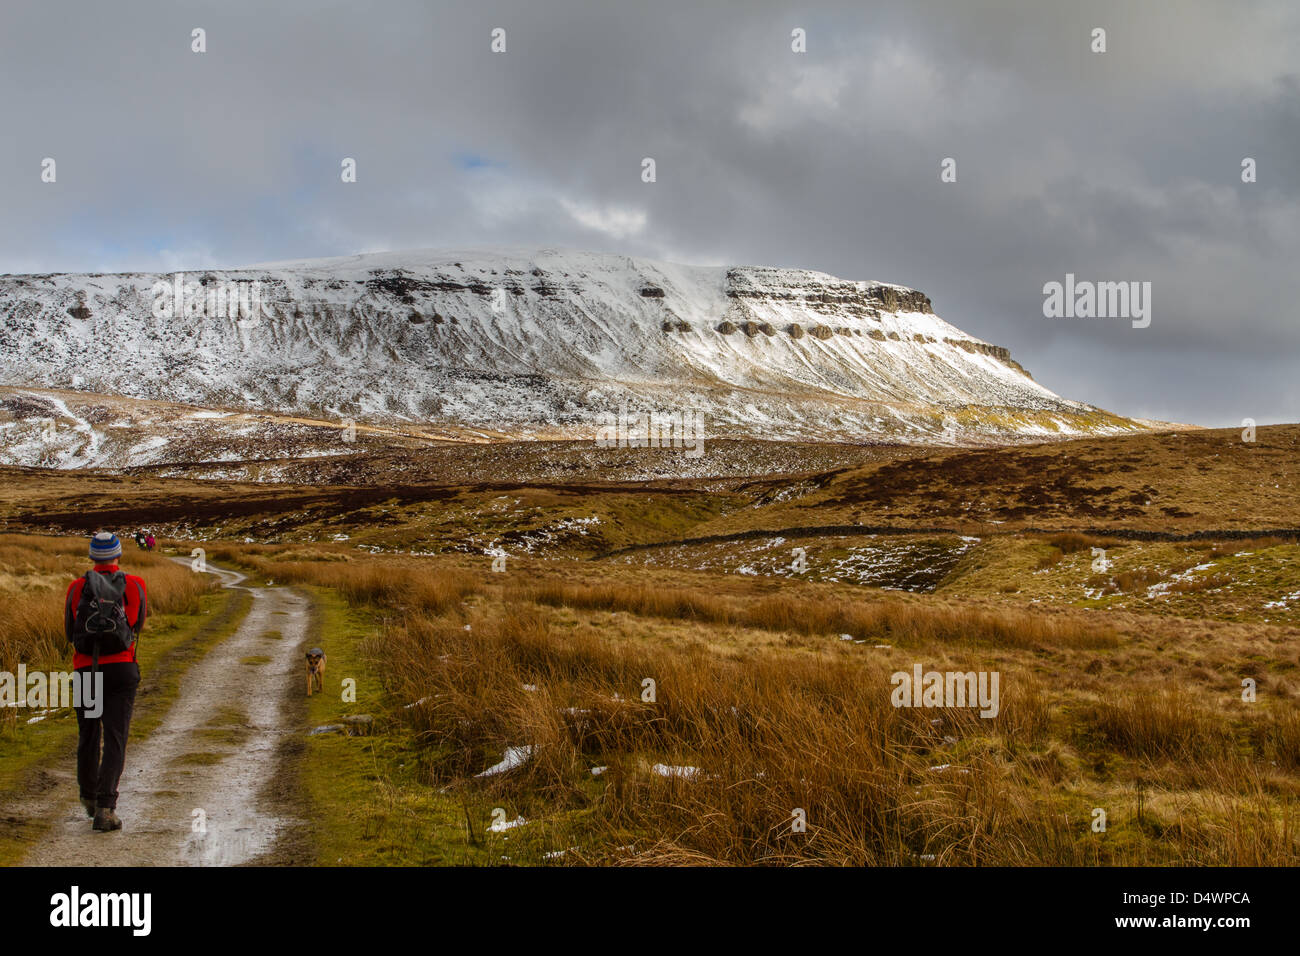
(315, 670)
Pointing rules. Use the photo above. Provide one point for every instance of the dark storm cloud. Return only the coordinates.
(1116, 166)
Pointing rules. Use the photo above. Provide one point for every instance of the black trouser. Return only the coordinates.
(97, 777)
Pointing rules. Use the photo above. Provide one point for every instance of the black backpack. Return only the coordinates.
(99, 624)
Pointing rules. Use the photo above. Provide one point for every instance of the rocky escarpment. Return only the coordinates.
(820, 297)
(816, 293)
(998, 352)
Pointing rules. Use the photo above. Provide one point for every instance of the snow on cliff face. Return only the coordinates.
(532, 343)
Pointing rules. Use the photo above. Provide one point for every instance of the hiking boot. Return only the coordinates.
(106, 819)
(88, 805)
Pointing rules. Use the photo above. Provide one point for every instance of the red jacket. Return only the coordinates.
(135, 615)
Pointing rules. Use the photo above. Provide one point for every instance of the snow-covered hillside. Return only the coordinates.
(532, 343)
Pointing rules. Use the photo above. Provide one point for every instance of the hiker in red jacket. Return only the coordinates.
(103, 614)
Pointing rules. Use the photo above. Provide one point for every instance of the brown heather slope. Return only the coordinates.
(1179, 482)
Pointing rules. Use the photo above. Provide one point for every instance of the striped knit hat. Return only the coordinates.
(104, 547)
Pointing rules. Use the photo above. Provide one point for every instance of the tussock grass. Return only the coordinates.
(782, 721)
(1162, 723)
(31, 629)
(1125, 581)
(37, 572)
(1203, 582)
(635, 599)
(771, 735)
(1222, 549)
(878, 620)
(1283, 738)
(1070, 542)
(379, 582)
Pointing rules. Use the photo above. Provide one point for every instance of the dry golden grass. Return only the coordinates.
(770, 735)
(386, 583)
(37, 571)
(1125, 581)
(31, 630)
(1161, 722)
(559, 666)
(773, 733)
(1220, 549)
(878, 620)
(1204, 582)
(1069, 542)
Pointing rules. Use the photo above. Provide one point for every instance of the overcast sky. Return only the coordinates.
(1115, 166)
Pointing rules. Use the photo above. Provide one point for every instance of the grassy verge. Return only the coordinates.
(366, 802)
(367, 795)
